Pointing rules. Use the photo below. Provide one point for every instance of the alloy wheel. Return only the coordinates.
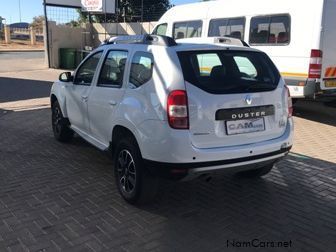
(126, 171)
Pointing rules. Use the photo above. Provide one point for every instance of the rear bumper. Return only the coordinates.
(190, 170)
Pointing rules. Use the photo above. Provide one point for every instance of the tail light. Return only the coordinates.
(289, 102)
(315, 66)
(177, 109)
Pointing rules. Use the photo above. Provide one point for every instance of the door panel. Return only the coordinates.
(78, 93)
(105, 97)
(76, 103)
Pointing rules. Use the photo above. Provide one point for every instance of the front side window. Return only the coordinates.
(227, 27)
(141, 69)
(229, 72)
(112, 72)
(270, 30)
(86, 71)
(188, 29)
(160, 30)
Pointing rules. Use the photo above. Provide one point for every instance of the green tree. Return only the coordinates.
(37, 22)
(131, 10)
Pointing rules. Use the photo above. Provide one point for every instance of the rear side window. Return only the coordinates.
(141, 69)
(112, 72)
(273, 30)
(188, 29)
(229, 72)
(160, 30)
(227, 27)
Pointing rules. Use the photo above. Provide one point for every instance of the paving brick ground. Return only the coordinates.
(57, 196)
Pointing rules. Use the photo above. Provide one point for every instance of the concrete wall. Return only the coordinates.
(61, 36)
(92, 35)
(102, 31)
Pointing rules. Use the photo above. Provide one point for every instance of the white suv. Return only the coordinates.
(175, 110)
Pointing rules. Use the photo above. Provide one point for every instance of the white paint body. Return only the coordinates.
(312, 27)
(95, 111)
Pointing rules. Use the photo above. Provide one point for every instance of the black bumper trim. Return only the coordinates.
(165, 169)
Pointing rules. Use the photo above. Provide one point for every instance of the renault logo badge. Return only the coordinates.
(248, 100)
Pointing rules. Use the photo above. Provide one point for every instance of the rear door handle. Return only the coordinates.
(112, 103)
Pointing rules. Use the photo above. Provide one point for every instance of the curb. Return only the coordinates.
(21, 50)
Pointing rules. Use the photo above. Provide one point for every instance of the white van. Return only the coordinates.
(299, 36)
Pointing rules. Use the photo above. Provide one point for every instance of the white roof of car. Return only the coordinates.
(212, 43)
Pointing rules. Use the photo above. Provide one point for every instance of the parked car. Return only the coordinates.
(300, 43)
(176, 111)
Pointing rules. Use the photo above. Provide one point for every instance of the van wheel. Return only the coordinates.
(60, 125)
(257, 172)
(134, 182)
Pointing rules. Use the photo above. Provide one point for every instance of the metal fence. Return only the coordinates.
(25, 33)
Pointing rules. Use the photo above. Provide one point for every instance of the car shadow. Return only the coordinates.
(319, 111)
(13, 89)
(296, 202)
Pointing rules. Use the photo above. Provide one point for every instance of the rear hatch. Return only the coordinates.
(235, 97)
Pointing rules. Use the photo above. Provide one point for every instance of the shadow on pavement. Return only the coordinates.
(318, 111)
(12, 89)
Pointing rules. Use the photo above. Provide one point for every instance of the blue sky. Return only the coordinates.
(31, 8)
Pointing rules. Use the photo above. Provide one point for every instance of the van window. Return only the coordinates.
(188, 29)
(229, 72)
(161, 29)
(270, 30)
(229, 27)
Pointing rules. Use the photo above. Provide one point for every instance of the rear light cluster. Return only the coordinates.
(290, 102)
(315, 66)
(177, 109)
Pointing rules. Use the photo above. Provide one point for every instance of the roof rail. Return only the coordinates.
(146, 39)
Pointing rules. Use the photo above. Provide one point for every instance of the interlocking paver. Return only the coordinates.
(57, 196)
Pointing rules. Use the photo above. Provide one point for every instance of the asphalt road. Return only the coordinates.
(21, 55)
(21, 61)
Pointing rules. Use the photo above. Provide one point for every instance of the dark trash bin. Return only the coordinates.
(67, 58)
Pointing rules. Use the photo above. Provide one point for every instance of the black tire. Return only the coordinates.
(60, 125)
(256, 172)
(134, 182)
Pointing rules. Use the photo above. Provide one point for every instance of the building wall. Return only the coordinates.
(61, 36)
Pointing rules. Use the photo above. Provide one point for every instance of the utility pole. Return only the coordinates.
(20, 10)
(142, 10)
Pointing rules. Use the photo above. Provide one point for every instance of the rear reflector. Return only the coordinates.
(290, 103)
(177, 109)
(315, 66)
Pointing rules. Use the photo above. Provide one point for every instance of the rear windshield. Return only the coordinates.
(229, 71)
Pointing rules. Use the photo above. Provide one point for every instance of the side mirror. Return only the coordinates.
(66, 77)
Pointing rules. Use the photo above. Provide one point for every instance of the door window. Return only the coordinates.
(113, 69)
(86, 71)
(141, 69)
